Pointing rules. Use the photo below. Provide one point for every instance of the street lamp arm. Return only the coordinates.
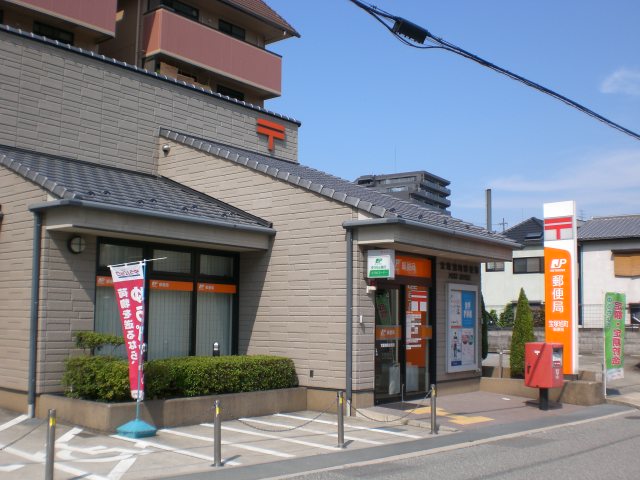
(406, 32)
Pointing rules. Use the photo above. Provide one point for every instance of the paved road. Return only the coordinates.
(589, 449)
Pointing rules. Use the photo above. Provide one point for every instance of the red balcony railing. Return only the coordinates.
(184, 39)
(98, 15)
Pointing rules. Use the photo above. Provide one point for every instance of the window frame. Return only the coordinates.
(194, 277)
(232, 30)
(527, 270)
(494, 267)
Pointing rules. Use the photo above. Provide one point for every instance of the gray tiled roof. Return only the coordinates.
(376, 203)
(527, 232)
(69, 179)
(603, 228)
(142, 71)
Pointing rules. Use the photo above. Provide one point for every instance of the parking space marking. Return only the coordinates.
(13, 422)
(67, 437)
(12, 468)
(231, 444)
(311, 430)
(355, 427)
(178, 451)
(40, 458)
(275, 437)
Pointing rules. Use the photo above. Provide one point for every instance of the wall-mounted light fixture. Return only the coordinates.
(76, 244)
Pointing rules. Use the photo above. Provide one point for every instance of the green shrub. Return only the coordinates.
(507, 316)
(522, 333)
(92, 341)
(107, 378)
(97, 378)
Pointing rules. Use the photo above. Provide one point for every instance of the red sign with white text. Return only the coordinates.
(128, 282)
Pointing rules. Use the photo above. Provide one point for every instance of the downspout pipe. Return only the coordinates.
(35, 307)
(349, 320)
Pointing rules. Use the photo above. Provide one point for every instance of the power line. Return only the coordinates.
(408, 33)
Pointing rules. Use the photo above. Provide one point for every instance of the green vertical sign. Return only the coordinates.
(614, 314)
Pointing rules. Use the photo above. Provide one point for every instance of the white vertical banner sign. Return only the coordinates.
(561, 280)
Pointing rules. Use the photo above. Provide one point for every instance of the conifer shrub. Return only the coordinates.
(522, 333)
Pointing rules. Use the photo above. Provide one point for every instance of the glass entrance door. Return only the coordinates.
(388, 376)
(402, 338)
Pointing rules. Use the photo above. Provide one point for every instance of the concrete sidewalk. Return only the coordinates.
(624, 391)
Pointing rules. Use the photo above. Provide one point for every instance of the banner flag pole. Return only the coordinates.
(128, 282)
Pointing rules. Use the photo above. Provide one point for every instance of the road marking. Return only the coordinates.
(159, 446)
(448, 448)
(465, 420)
(40, 458)
(12, 468)
(275, 437)
(354, 427)
(69, 435)
(311, 430)
(13, 422)
(237, 445)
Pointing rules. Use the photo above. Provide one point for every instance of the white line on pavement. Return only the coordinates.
(237, 445)
(13, 422)
(311, 430)
(39, 458)
(275, 437)
(159, 446)
(355, 427)
(69, 435)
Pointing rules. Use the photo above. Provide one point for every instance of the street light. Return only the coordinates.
(411, 34)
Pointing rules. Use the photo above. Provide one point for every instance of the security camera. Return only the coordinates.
(166, 147)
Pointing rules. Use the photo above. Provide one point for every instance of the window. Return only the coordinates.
(397, 189)
(634, 313)
(230, 92)
(53, 33)
(190, 298)
(626, 263)
(177, 6)
(231, 29)
(528, 265)
(495, 267)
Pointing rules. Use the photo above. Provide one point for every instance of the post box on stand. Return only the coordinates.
(543, 368)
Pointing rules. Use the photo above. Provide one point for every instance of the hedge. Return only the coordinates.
(107, 379)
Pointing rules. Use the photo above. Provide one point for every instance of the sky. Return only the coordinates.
(369, 104)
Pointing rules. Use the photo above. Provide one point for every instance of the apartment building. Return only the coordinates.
(219, 45)
(421, 186)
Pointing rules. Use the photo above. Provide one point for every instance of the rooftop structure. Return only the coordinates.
(418, 187)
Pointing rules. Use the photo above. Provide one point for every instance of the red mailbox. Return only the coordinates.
(543, 365)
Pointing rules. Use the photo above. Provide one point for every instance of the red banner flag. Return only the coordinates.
(128, 282)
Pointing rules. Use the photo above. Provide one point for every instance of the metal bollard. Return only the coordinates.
(340, 421)
(50, 447)
(500, 352)
(434, 424)
(217, 436)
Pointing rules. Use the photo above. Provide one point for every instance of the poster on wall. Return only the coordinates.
(462, 328)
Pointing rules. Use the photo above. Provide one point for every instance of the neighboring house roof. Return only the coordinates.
(366, 199)
(528, 232)
(610, 228)
(90, 184)
(142, 71)
(263, 11)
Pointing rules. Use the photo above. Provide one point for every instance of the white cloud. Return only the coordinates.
(622, 80)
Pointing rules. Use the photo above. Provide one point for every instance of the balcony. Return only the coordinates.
(96, 15)
(172, 35)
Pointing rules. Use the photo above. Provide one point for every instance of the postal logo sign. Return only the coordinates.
(272, 131)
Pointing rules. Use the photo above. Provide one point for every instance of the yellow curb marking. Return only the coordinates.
(457, 419)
